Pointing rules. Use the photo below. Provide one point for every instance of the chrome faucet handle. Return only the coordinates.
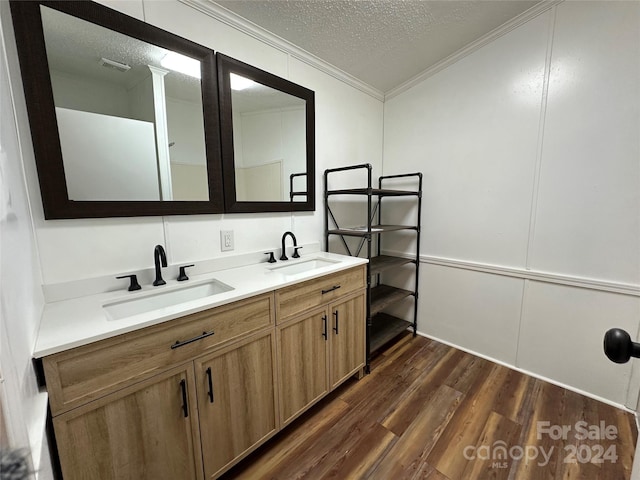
(295, 252)
(134, 285)
(272, 259)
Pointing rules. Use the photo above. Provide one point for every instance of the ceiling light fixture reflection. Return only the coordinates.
(240, 83)
(119, 66)
(181, 63)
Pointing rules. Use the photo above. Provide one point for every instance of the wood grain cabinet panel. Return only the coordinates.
(347, 338)
(146, 431)
(303, 353)
(296, 299)
(321, 347)
(85, 373)
(237, 401)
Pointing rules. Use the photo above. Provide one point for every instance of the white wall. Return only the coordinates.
(109, 173)
(76, 249)
(186, 131)
(272, 136)
(90, 95)
(21, 297)
(531, 212)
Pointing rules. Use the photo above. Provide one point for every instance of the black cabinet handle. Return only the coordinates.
(335, 287)
(335, 329)
(185, 406)
(210, 393)
(324, 323)
(194, 339)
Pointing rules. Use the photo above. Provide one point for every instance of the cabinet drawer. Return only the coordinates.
(301, 297)
(77, 376)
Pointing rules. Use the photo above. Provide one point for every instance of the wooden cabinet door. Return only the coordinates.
(146, 431)
(236, 401)
(303, 355)
(347, 334)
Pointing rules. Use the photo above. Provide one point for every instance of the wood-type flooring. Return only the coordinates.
(429, 411)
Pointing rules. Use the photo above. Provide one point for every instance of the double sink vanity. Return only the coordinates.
(185, 379)
(178, 380)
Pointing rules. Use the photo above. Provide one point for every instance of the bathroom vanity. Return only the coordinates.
(187, 390)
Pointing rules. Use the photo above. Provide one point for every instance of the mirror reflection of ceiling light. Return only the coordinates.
(119, 66)
(240, 83)
(181, 63)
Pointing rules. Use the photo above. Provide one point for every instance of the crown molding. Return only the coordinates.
(493, 35)
(227, 17)
(243, 25)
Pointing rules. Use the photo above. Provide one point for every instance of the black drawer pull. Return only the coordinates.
(335, 329)
(210, 393)
(335, 287)
(324, 323)
(185, 406)
(194, 339)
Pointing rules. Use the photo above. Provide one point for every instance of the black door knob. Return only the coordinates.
(618, 346)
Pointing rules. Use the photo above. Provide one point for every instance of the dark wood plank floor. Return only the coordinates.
(429, 411)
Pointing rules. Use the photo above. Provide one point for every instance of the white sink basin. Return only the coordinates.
(304, 266)
(129, 307)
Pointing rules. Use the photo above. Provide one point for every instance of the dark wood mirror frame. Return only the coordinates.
(38, 92)
(226, 66)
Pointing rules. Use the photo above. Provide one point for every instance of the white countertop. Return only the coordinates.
(79, 321)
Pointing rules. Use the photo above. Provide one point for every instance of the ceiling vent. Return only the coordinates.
(121, 67)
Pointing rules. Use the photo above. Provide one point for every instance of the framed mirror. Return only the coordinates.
(268, 140)
(124, 115)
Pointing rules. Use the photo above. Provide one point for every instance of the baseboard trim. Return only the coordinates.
(529, 373)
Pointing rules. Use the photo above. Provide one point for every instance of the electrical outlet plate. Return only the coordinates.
(226, 240)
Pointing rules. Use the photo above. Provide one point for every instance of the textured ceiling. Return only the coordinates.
(383, 43)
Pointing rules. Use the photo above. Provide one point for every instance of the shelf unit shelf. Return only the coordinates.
(378, 192)
(385, 328)
(382, 327)
(380, 263)
(385, 295)
(375, 229)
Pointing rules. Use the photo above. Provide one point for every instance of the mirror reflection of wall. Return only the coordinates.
(269, 138)
(126, 133)
(186, 148)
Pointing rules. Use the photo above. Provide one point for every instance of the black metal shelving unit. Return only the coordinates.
(293, 193)
(382, 327)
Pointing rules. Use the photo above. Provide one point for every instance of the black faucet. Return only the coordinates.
(295, 244)
(159, 256)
